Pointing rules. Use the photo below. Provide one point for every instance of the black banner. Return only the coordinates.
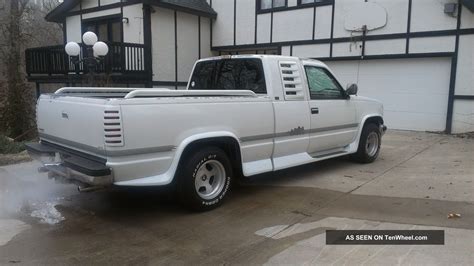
(385, 237)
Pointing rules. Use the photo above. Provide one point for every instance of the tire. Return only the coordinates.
(369, 144)
(204, 179)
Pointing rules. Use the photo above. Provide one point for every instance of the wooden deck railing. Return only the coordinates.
(125, 58)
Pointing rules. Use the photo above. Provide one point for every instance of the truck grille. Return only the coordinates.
(113, 133)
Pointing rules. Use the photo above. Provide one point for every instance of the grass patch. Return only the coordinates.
(10, 147)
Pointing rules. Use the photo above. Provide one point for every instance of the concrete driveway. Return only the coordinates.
(277, 218)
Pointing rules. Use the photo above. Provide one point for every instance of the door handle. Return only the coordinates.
(315, 110)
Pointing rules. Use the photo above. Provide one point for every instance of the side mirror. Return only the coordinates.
(352, 89)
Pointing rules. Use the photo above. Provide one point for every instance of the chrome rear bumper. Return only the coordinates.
(70, 166)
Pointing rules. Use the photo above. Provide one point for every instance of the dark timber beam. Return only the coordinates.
(38, 90)
(452, 80)
(148, 60)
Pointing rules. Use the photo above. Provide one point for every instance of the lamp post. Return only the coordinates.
(95, 52)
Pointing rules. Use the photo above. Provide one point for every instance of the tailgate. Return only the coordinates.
(86, 124)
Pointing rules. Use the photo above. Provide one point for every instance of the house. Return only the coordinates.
(416, 56)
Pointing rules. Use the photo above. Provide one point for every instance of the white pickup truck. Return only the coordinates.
(240, 115)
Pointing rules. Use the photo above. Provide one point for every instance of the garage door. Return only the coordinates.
(414, 91)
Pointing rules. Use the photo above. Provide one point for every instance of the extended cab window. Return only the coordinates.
(203, 76)
(229, 74)
(322, 85)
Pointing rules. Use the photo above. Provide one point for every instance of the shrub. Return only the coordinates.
(10, 147)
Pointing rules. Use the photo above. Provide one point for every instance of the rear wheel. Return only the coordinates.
(369, 144)
(205, 179)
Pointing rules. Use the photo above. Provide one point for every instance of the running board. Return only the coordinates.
(331, 154)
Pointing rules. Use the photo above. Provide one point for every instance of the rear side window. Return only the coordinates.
(229, 74)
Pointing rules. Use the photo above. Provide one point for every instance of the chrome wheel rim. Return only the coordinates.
(372, 144)
(210, 179)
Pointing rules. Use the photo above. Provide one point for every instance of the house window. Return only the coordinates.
(314, 2)
(107, 30)
(271, 4)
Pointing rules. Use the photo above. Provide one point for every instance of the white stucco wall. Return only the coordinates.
(463, 116)
(263, 28)
(73, 29)
(396, 46)
(285, 50)
(347, 49)
(108, 2)
(245, 22)
(102, 13)
(465, 67)
(133, 30)
(467, 19)
(206, 37)
(163, 42)
(311, 50)
(162, 32)
(432, 44)
(85, 4)
(463, 111)
(293, 25)
(223, 28)
(322, 27)
(428, 15)
(292, 2)
(188, 44)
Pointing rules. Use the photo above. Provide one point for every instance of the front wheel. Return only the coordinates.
(369, 144)
(205, 179)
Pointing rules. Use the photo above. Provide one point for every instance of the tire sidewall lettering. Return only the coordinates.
(227, 181)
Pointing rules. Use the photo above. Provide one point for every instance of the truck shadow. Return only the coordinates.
(312, 170)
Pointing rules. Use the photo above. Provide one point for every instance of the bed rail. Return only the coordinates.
(101, 90)
(129, 93)
(188, 93)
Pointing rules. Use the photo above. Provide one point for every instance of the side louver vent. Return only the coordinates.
(291, 80)
(113, 133)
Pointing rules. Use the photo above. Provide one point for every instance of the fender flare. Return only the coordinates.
(200, 137)
(355, 144)
(168, 177)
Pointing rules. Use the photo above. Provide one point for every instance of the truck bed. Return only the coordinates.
(104, 122)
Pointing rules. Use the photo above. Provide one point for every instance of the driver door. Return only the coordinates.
(333, 114)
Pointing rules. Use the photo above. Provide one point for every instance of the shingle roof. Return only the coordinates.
(198, 7)
(59, 12)
(469, 4)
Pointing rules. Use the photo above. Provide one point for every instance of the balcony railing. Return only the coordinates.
(123, 58)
